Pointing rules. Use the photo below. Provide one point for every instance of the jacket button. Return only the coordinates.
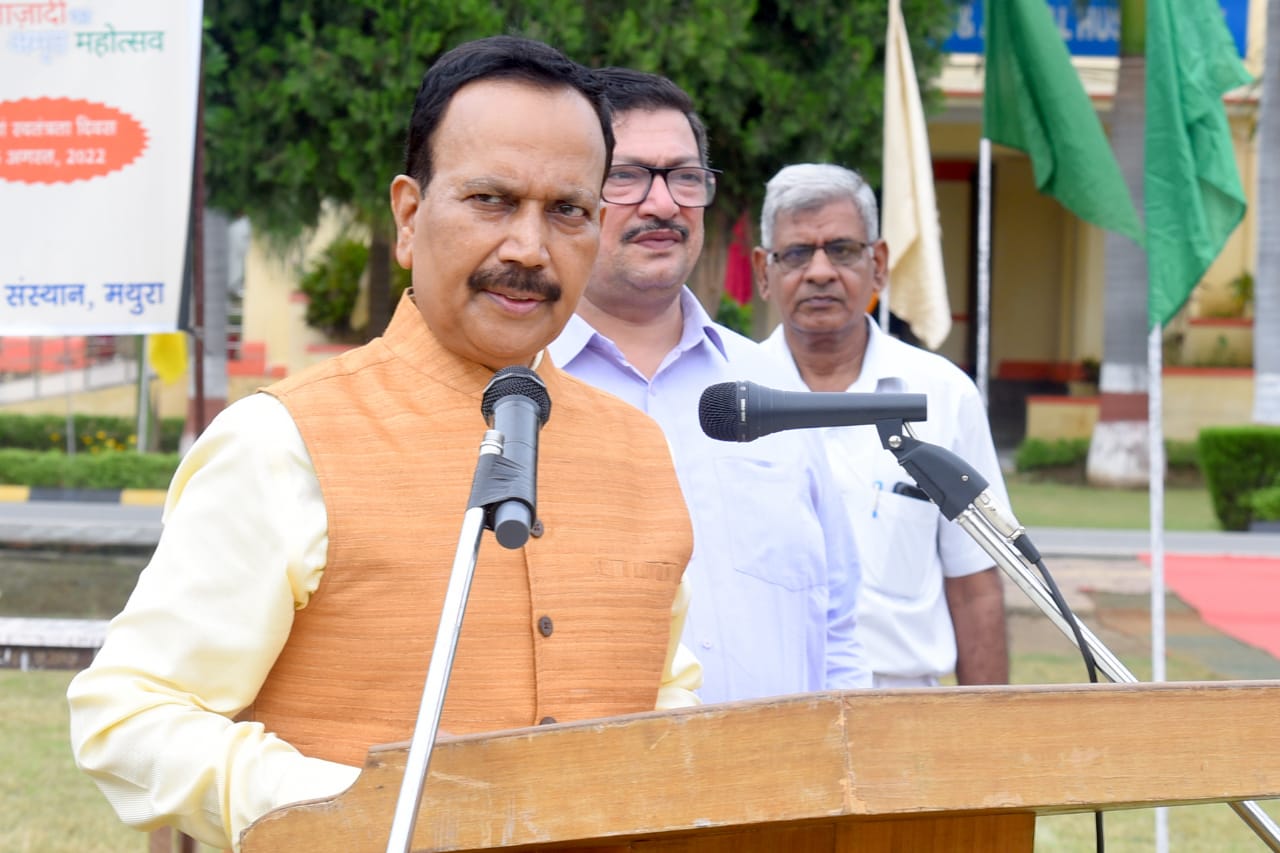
(544, 626)
(547, 721)
(536, 529)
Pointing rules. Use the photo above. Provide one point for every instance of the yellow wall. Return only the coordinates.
(1185, 392)
(1183, 395)
(1083, 334)
(1028, 249)
(273, 311)
(1056, 418)
(954, 204)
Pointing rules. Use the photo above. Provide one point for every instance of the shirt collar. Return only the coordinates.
(878, 373)
(572, 340)
(697, 324)
(578, 334)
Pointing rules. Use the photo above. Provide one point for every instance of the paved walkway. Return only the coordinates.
(1074, 542)
(1106, 580)
(79, 523)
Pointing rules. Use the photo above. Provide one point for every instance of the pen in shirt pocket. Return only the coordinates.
(910, 490)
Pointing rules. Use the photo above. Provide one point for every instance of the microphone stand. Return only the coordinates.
(484, 498)
(960, 493)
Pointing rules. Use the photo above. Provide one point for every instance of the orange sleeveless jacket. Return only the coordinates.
(572, 626)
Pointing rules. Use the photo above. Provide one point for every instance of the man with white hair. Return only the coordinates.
(931, 601)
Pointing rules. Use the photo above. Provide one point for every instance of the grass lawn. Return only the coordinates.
(46, 804)
(1050, 504)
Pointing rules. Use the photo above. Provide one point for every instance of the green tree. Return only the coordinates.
(307, 103)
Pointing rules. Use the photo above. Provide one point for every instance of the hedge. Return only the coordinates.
(109, 469)
(49, 432)
(1035, 454)
(1266, 503)
(1237, 461)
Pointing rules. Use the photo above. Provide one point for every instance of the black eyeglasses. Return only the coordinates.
(842, 253)
(690, 186)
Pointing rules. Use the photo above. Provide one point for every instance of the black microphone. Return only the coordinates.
(744, 411)
(516, 404)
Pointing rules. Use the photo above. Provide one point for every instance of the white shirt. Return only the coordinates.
(151, 717)
(774, 571)
(907, 545)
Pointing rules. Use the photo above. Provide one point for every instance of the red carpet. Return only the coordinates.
(1239, 596)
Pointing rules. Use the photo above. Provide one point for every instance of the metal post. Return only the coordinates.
(144, 395)
(982, 312)
(433, 691)
(71, 417)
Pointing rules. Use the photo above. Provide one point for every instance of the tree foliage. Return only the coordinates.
(307, 103)
(332, 285)
(776, 81)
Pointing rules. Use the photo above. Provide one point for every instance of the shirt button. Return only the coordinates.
(706, 644)
(547, 721)
(544, 626)
(536, 529)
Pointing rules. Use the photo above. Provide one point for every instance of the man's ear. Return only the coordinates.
(880, 263)
(759, 266)
(405, 198)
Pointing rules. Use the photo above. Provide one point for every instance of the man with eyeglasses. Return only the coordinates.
(774, 573)
(931, 602)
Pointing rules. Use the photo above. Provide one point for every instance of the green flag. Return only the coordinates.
(1033, 101)
(1193, 196)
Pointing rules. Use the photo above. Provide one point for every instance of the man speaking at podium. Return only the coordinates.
(286, 621)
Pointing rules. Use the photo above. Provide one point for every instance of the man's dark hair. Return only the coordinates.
(629, 89)
(494, 58)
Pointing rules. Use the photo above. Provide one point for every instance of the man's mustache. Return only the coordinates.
(514, 278)
(656, 225)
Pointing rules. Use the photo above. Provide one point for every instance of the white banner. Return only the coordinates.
(97, 137)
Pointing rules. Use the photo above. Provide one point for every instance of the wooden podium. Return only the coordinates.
(876, 770)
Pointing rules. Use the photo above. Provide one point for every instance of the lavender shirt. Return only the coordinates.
(774, 575)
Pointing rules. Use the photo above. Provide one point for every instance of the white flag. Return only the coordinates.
(917, 280)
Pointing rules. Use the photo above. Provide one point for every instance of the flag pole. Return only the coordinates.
(1155, 481)
(983, 308)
